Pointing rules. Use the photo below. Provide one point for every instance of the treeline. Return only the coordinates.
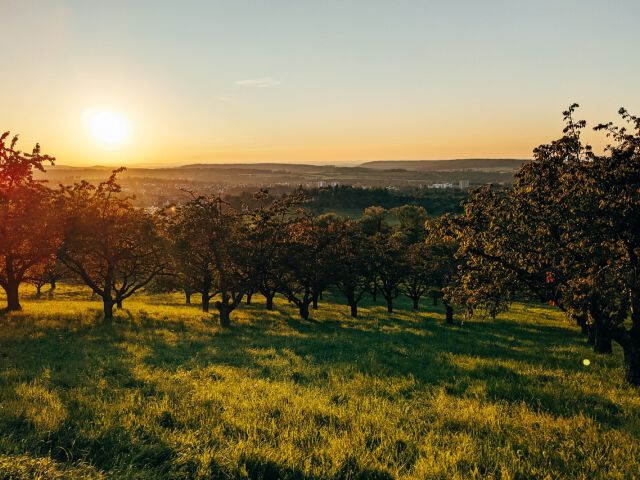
(567, 233)
(340, 197)
(222, 252)
(436, 202)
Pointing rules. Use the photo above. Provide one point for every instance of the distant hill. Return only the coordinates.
(382, 173)
(473, 164)
(479, 164)
(284, 167)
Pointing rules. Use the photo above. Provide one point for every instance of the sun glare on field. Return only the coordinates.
(107, 127)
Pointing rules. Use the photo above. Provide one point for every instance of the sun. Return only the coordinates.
(107, 127)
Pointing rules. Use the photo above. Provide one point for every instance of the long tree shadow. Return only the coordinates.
(516, 363)
(70, 360)
(62, 363)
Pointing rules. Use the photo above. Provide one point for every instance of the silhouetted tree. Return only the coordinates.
(190, 235)
(441, 261)
(29, 230)
(114, 248)
(49, 273)
(329, 228)
(266, 236)
(389, 265)
(352, 265)
(214, 233)
(54, 272)
(172, 281)
(37, 280)
(568, 233)
(419, 275)
(304, 267)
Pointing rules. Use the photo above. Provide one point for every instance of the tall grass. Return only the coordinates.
(163, 392)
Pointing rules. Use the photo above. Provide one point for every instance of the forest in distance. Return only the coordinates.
(337, 188)
(562, 241)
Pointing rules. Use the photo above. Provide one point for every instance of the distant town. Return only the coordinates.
(158, 187)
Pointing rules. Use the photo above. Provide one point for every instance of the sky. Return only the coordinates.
(327, 82)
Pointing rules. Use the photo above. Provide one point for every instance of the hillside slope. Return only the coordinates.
(162, 392)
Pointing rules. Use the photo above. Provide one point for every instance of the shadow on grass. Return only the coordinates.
(62, 361)
(513, 362)
(516, 363)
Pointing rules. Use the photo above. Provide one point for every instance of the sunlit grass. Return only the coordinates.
(163, 392)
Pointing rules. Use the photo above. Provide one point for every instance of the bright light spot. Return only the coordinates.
(586, 362)
(108, 127)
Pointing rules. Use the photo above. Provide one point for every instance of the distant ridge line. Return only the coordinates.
(477, 164)
(454, 164)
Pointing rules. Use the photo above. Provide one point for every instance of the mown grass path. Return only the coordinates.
(163, 392)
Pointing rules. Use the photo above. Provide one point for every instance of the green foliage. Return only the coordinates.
(568, 232)
(346, 198)
(164, 392)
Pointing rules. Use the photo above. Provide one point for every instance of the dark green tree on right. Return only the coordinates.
(566, 233)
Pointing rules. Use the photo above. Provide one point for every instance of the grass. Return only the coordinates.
(163, 392)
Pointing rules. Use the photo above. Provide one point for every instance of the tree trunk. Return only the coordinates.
(13, 297)
(600, 330)
(269, 301)
(304, 310)
(315, 301)
(205, 302)
(225, 316)
(119, 303)
(631, 351)
(38, 291)
(591, 335)
(602, 339)
(584, 329)
(581, 321)
(389, 305)
(249, 295)
(449, 313)
(187, 297)
(351, 301)
(415, 303)
(52, 290)
(206, 290)
(108, 308)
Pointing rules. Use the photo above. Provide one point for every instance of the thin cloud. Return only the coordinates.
(263, 82)
(226, 97)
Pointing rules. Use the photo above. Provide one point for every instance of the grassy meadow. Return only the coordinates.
(163, 392)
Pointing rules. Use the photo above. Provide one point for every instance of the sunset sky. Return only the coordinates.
(152, 82)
